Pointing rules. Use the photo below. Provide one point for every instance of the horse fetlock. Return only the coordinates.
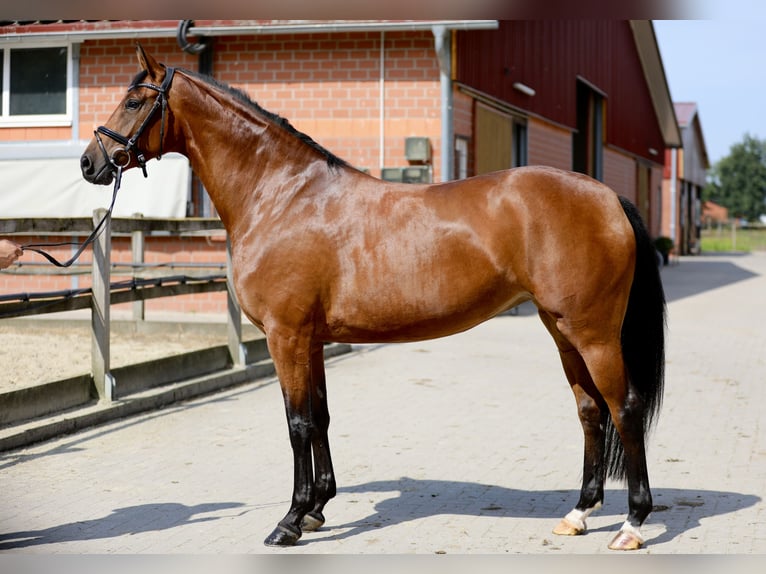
(312, 521)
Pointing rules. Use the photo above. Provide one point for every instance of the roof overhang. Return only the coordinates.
(654, 71)
(83, 31)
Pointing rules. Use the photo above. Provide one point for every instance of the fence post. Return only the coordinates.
(137, 247)
(234, 322)
(99, 313)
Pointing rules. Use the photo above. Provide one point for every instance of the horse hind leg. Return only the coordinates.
(624, 451)
(592, 412)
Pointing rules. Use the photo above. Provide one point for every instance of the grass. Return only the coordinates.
(721, 240)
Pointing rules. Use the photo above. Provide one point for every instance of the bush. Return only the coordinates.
(664, 245)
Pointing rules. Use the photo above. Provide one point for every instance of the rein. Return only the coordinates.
(119, 159)
(38, 247)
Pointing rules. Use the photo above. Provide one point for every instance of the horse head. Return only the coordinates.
(135, 132)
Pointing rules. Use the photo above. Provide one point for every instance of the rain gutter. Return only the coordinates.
(247, 29)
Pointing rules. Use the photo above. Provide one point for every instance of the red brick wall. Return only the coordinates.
(35, 134)
(161, 249)
(327, 85)
(106, 69)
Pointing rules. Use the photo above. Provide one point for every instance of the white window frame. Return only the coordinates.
(35, 120)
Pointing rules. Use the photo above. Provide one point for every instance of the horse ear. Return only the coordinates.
(148, 63)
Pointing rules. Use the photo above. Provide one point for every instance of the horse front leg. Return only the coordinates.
(324, 474)
(291, 356)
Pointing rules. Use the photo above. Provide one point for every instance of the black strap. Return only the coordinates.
(114, 135)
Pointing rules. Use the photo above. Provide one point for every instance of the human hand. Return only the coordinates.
(9, 253)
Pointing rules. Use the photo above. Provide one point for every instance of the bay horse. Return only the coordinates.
(323, 252)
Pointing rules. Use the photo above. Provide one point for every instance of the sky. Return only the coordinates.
(719, 63)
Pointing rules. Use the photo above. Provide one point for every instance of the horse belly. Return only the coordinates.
(421, 298)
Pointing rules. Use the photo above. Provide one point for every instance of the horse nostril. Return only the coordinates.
(86, 165)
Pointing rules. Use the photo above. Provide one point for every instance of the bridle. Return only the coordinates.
(120, 157)
(119, 160)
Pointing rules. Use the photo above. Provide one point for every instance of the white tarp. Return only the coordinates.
(56, 188)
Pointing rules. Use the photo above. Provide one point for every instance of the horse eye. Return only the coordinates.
(132, 104)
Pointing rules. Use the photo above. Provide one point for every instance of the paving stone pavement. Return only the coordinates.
(463, 445)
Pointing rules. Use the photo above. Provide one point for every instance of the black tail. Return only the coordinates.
(643, 338)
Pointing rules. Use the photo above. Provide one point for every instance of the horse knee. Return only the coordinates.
(592, 415)
(589, 411)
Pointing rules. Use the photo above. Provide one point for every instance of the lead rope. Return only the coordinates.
(37, 247)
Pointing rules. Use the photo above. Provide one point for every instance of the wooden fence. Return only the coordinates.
(104, 293)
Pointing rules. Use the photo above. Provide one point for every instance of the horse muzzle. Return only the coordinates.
(95, 171)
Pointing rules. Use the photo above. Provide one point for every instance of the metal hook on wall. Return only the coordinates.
(183, 41)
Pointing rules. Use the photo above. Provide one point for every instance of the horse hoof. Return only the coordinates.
(282, 536)
(626, 541)
(567, 528)
(312, 521)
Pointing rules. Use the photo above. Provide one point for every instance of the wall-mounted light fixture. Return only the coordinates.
(524, 89)
(653, 151)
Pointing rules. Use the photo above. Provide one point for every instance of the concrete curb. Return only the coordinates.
(94, 413)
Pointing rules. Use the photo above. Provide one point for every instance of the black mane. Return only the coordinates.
(332, 160)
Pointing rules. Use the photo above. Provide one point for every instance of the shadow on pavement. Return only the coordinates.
(700, 274)
(679, 510)
(121, 522)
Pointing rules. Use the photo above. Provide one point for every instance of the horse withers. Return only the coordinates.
(323, 252)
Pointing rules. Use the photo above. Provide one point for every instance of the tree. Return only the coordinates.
(738, 181)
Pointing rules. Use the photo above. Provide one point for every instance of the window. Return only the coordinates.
(36, 86)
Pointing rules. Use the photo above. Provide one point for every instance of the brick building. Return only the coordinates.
(410, 100)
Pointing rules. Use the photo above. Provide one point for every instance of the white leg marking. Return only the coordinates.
(577, 517)
(629, 528)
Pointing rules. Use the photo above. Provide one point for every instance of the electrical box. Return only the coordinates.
(417, 174)
(411, 174)
(417, 149)
(391, 174)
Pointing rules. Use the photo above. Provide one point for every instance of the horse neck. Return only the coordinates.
(236, 153)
